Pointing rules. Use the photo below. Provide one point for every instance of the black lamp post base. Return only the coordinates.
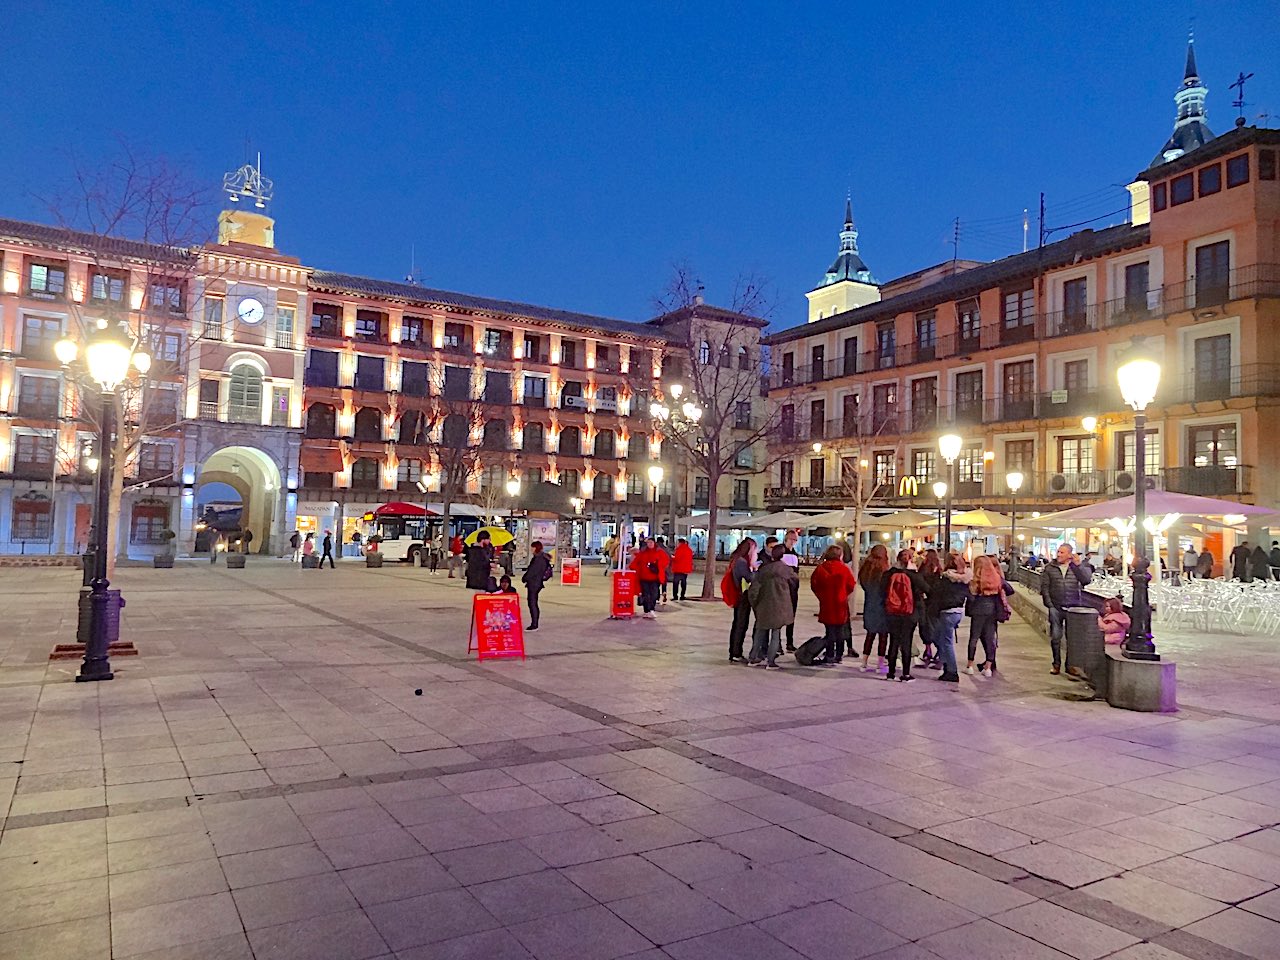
(1139, 653)
(98, 671)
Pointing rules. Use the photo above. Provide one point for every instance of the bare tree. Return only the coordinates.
(452, 430)
(716, 355)
(141, 222)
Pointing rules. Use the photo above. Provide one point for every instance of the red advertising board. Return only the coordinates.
(496, 631)
(571, 572)
(626, 584)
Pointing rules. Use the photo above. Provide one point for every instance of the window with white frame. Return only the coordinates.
(46, 280)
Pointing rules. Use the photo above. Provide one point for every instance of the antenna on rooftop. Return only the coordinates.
(248, 183)
(413, 277)
(1026, 225)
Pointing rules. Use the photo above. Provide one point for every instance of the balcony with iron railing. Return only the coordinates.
(1257, 280)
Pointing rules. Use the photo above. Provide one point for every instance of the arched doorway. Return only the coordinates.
(243, 476)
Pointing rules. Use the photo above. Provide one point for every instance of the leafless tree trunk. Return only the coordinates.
(718, 359)
(154, 204)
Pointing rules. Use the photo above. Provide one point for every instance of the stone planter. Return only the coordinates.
(235, 561)
(373, 559)
(163, 561)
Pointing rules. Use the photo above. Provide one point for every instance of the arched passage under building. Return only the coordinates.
(255, 477)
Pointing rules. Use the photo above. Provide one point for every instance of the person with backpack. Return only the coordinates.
(733, 588)
(948, 595)
(988, 606)
(649, 562)
(904, 598)
(770, 598)
(681, 567)
(872, 575)
(832, 583)
(536, 575)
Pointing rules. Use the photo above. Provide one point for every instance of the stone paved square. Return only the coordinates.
(622, 792)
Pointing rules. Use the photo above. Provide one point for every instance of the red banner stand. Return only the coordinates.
(496, 632)
(622, 604)
(571, 572)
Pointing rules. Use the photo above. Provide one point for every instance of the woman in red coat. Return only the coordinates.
(832, 583)
(681, 567)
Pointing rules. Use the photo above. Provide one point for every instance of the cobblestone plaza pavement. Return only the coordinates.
(263, 782)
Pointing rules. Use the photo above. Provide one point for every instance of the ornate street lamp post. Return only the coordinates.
(686, 418)
(939, 492)
(949, 445)
(1139, 378)
(1014, 480)
(108, 354)
(655, 478)
(513, 491)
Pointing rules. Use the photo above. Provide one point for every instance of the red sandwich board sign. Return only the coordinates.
(571, 571)
(496, 630)
(626, 584)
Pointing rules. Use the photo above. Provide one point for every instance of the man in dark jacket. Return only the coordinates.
(536, 575)
(1061, 585)
(326, 550)
(1275, 559)
(479, 561)
(1240, 562)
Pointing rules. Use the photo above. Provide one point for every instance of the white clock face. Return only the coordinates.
(250, 310)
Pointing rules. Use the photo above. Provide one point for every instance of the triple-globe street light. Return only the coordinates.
(109, 355)
(682, 419)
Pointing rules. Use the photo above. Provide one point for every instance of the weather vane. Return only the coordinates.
(248, 182)
(1238, 102)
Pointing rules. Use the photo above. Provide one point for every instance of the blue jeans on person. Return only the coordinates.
(1057, 630)
(944, 638)
(766, 643)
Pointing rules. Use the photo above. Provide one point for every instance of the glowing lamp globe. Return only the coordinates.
(1139, 378)
(949, 445)
(1014, 480)
(513, 486)
(940, 489)
(655, 474)
(66, 351)
(108, 356)
(142, 362)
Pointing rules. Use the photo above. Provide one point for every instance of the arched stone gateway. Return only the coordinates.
(256, 477)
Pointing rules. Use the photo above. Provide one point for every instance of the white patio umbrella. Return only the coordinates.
(1158, 503)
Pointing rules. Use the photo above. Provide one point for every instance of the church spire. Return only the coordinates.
(1189, 128)
(848, 265)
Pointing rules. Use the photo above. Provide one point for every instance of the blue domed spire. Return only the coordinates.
(1189, 127)
(848, 265)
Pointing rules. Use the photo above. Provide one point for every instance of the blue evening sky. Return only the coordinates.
(569, 154)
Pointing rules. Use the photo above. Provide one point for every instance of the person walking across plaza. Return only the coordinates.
(1189, 561)
(988, 606)
(1204, 566)
(1061, 585)
(609, 553)
(536, 575)
(681, 567)
(295, 547)
(832, 583)
(904, 599)
(215, 543)
(872, 575)
(1240, 562)
(770, 596)
(326, 550)
(648, 563)
(948, 594)
(1260, 564)
(733, 588)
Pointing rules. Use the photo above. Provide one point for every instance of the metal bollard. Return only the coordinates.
(1086, 652)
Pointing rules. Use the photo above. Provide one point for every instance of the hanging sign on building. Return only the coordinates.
(622, 604)
(496, 631)
(571, 571)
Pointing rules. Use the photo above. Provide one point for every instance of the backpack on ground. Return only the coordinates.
(899, 600)
(730, 592)
(810, 650)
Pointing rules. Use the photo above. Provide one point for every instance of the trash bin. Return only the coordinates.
(86, 566)
(1086, 653)
(84, 623)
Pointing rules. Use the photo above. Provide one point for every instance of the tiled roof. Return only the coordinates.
(346, 283)
(1082, 246)
(82, 241)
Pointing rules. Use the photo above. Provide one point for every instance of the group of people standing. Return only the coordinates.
(657, 568)
(919, 591)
